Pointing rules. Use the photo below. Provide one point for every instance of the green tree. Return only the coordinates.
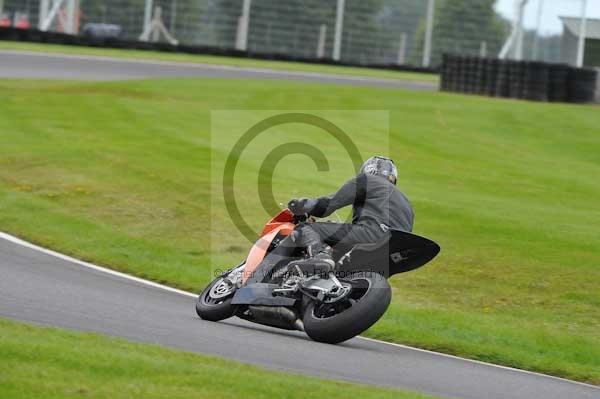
(400, 17)
(460, 26)
(289, 27)
(364, 38)
(292, 27)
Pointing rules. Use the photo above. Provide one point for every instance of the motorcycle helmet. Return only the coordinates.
(380, 166)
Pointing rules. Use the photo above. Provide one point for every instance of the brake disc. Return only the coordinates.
(340, 293)
(221, 289)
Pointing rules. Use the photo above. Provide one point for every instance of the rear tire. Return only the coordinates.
(334, 326)
(214, 309)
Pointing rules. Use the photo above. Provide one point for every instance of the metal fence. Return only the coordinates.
(405, 32)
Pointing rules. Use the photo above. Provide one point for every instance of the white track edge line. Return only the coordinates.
(480, 362)
(281, 72)
(68, 258)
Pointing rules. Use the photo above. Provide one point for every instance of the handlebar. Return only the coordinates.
(301, 218)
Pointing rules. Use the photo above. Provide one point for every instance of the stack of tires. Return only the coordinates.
(558, 80)
(535, 85)
(447, 77)
(491, 80)
(502, 79)
(536, 81)
(516, 79)
(582, 85)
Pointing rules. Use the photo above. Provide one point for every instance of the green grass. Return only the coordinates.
(119, 173)
(52, 363)
(219, 60)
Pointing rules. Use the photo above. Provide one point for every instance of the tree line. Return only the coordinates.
(372, 28)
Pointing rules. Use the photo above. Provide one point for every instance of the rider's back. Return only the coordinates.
(384, 204)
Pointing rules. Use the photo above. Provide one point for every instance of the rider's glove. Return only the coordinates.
(298, 206)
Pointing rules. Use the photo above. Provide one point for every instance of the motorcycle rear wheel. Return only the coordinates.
(214, 302)
(339, 321)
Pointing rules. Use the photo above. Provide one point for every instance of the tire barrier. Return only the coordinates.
(528, 80)
(582, 85)
(110, 41)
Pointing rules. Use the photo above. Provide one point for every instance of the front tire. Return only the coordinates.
(214, 302)
(337, 322)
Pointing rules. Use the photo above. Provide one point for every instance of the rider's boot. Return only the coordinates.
(320, 263)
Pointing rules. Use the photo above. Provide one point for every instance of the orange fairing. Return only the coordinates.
(282, 217)
(280, 224)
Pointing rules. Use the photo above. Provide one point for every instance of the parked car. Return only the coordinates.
(22, 21)
(5, 21)
(101, 31)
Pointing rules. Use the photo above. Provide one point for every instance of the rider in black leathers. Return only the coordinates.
(377, 206)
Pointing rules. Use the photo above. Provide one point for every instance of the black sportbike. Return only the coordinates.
(331, 308)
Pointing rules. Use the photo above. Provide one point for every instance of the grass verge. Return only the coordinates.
(219, 60)
(53, 363)
(118, 173)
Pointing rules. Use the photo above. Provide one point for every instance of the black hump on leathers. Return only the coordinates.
(397, 252)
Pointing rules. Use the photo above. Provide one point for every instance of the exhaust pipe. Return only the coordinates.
(276, 316)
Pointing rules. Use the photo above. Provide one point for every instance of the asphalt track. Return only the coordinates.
(33, 65)
(42, 287)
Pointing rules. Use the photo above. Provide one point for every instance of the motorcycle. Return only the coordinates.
(329, 308)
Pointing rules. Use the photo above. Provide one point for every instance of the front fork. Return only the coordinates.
(235, 275)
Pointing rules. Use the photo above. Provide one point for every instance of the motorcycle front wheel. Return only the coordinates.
(214, 302)
(335, 322)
